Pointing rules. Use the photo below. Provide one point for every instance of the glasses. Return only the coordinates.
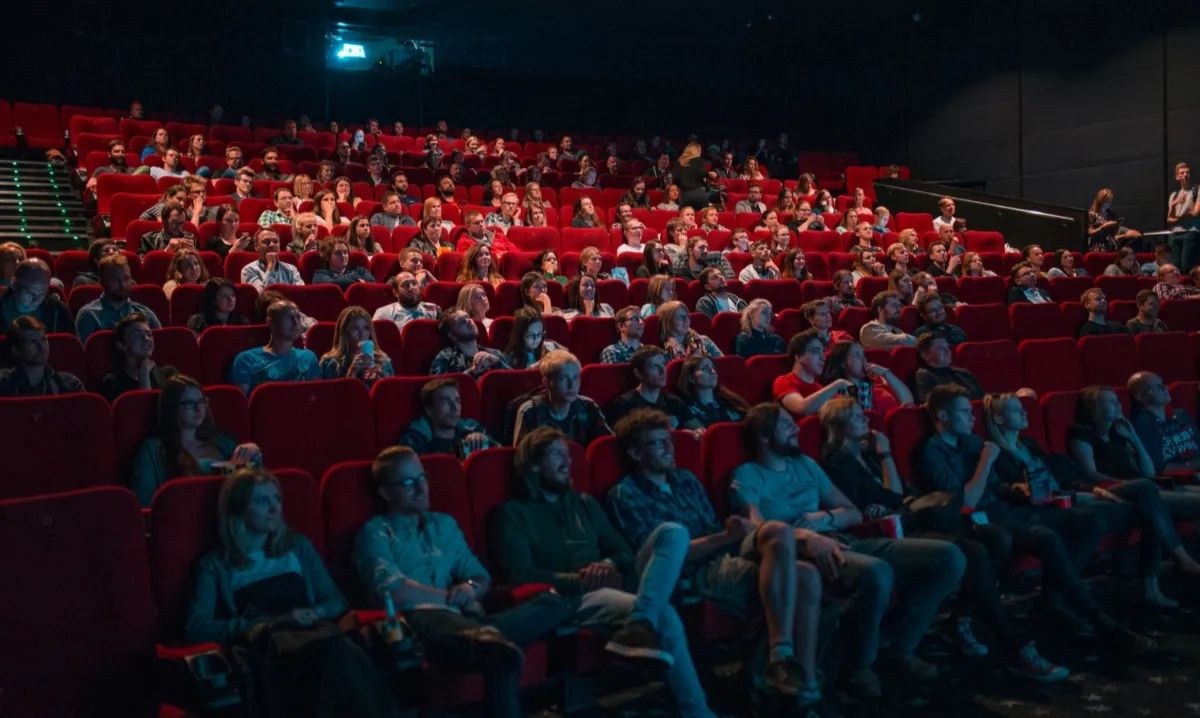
(407, 484)
(536, 336)
(193, 405)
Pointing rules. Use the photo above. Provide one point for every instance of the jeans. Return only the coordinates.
(442, 634)
(921, 571)
(987, 548)
(1185, 248)
(659, 562)
(1145, 508)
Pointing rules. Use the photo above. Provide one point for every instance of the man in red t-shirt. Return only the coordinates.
(800, 390)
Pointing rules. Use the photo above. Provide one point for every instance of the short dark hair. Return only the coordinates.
(706, 274)
(643, 355)
(633, 427)
(838, 276)
(810, 308)
(1144, 295)
(531, 449)
(941, 397)
(115, 143)
(18, 325)
(759, 424)
(624, 314)
(926, 300)
(170, 207)
(1027, 249)
(388, 195)
(118, 335)
(433, 386)
(1021, 265)
(927, 339)
(387, 461)
(881, 300)
(446, 325)
(797, 343)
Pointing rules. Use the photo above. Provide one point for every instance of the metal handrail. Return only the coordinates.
(982, 203)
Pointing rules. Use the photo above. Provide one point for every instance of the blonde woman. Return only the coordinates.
(304, 233)
(473, 300)
(302, 189)
(679, 340)
(536, 217)
(478, 266)
(709, 221)
(186, 268)
(756, 336)
(972, 266)
(911, 242)
(349, 356)
(690, 175)
(433, 208)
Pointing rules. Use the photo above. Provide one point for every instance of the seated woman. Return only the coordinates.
(924, 284)
(227, 239)
(848, 223)
(972, 266)
(428, 241)
(186, 268)
(335, 255)
(265, 588)
(660, 291)
(348, 358)
(679, 340)
(478, 266)
(901, 259)
(901, 283)
(581, 300)
(781, 239)
(675, 238)
(756, 336)
(859, 462)
(528, 344)
(785, 201)
(591, 264)
(343, 191)
(585, 215)
(709, 220)
(305, 234)
(865, 265)
(185, 442)
(1121, 506)
(769, 221)
(1064, 261)
(1126, 264)
(326, 209)
(670, 201)
(433, 208)
(133, 367)
(875, 387)
(795, 266)
(631, 237)
(218, 308)
(701, 391)
(302, 189)
(473, 300)
(655, 262)
(536, 217)
(534, 294)
(358, 234)
(911, 242)
(636, 196)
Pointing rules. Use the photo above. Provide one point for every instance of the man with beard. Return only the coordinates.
(31, 373)
(446, 190)
(408, 305)
(400, 187)
(116, 164)
(171, 237)
(104, 313)
(280, 359)
(552, 534)
(882, 332)
(463, 352)
(270, 160)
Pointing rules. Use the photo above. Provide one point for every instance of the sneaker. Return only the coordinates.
(1028, 663)
(638, 640)
(864, 683)
(782, 677)
(967, 643)
(486, 648)
(909, 666)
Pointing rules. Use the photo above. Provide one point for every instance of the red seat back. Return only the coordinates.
(995, 364)
(1037, 321)
(312, 425)
(1108, 360)
(723, 451)
(65, 444)
(498, 387)
(1169, 355)
(219, 346)
(1051, 364)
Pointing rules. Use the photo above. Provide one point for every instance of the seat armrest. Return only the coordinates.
(503, 597)
(198, 678)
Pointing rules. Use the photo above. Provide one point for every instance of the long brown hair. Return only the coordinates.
(523, 318)
(1100, 197)
(177, 460)
(686, 386)
(341, 350)
(232, 505)
(469, 272)
(173, 268)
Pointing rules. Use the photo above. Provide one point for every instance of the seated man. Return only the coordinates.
(114, 303)
(1025, 288)
(1147, 321)
(288, 136)
(820, 317)
(762, 266)
(552, 534)
(269, 269)
(561, 406)
(400, 187)
(442, 428)
(233, 164)
(649, 365)
(419, 561)
(408, 305)
(392, 214)
(412, 260)
(844, 296)
(689, 266)
(955, 460)
(271, 171)
(1096, 305)
(172, 236)
(739, 566)
(116, 164)
(133, 360)
(243, 185)
(800, 390)
(463, 352)
(864, 238)
(716, 297)
(1169, 286)
(29, 356)
(753, 202)
(280, 359)
(30, 296)
(936, 353)
(629, 328)
(933, 312)
(882, 332)
(1169, 434)
(783, 485)
(284, 211)
(509, 214)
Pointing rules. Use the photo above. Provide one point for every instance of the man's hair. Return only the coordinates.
(633, 427)
(1137, 382)
(433, 386)
(263, 230)
(245, 172)
(115, 143)
(118, 334)
(927, 339)
(170, 207)
(759, 424)
(706, 274)
(624, 314)
(881, 300)
(693, 241)
(753, 185)
(275, 194)
(926, 301)
(388, 460)
(1028, 249)
(1088, 294)
(268, 150)
(643, 355)
(18, 325)
(469, 214)
(387, 196)
(532, 448)
(797, 343)
(810, 308)
(944, 201)
(194, 181)
(279, 307)
(553, 362)
(113, 260)
(1181, 165)
(1144, 296)
(941, 397)
(1018, 267)
(232, 148)
(30, 270)
(938, 243)
(838, 276)
(446, 325)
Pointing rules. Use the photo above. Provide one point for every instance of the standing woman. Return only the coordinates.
(1105, 233)
(346, 358)
(690, 175)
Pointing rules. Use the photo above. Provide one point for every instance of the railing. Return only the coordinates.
(981, 203)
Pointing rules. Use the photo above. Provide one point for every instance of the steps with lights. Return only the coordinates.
(38, 207)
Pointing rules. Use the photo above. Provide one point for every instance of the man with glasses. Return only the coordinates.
(1168, 433)
(29, 296)
(1025, 288)
(753, 202)
(1169, 286)
(280, 359)
(419, 559)
(463, 352)
(233, 163)
(509, 214)
(408, 305)
(630, 327)
(284, 210)
(243, 186)
(806, 220)
(29, 356)
(269, 268)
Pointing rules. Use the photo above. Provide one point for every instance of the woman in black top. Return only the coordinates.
(228, 221)
(218, 308)
(691, 177)
(706, 399)
(859, 462)
(654, 261)
(1122, 506)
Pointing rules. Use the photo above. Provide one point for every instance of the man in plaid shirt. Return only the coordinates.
(630, 325)
(1169, 286)
(462, 352)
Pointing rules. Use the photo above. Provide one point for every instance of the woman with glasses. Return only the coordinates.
(528, 344)
(185, 442)
(655, 262)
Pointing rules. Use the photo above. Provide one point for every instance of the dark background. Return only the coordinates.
(1047, 100)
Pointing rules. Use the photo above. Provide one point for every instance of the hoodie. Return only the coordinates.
(419, 436)
(539, 537)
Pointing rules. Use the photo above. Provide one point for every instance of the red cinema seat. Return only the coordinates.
(173, 346)
(319, 337)
(920, 221)
(348, 501)
(397, 403)
(781, 293)
(983, 322)
(1051, 364)
(976, 241)
(588, 336)
(66, 444)
(1170, 355)
(723, 451)
(604, 382)
(110, 184)
(609, 466)
(827, 241)
(1069, 289)
(41, 124)
(574, 239)
(1180, 315)
(312, 425)
(982, 290)
(906, 428)
(816, 289)
(499, 387)
(868, 287)
(1108, 360)
(1123, 288)
(1058, 409)
(83, 124)
(1184, 396)
(853, 319)
(535, 239)
(725, 328)
(323, 302)
(996, 364)
(219, 346)
(761, 373)
(731, 368)
(422, 342)
(1037, 321)
(76, 610)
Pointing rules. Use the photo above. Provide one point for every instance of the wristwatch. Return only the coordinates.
(474, 586)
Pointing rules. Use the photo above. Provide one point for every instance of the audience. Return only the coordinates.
(882, 332)
(280, 359)
(1064, 259)
(393, 213)
(1025, 288)
(355, 351)
(269, 268)
(800, 391)
(581, 300)
(1169, 284)
(284, 210)
(133, 366)
(28, 359)
(185, 442)
(656, 262)
(933, 313)
(408, 305)
(629, 329)
(478, 266)
(843, 296)
(756, 337)
(97, 250)
(186, 268)
(534, 293)
(1146, 321)
(1097, 323)
(1126, 265)
(649, 366)
(677, 336)
(561, 406)
(700, 389)
(1168, 434)
(941, 262)
(717, 298)
(463, 352)
(114, 303)
(546, 264)
(441, 428)
(527, 344)
(218, 307)
(935, 352)
(946, 216)
(820, 318)
(473, 300)
(172, 236)
(336, 269)
(761, 266)
(306, 233)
